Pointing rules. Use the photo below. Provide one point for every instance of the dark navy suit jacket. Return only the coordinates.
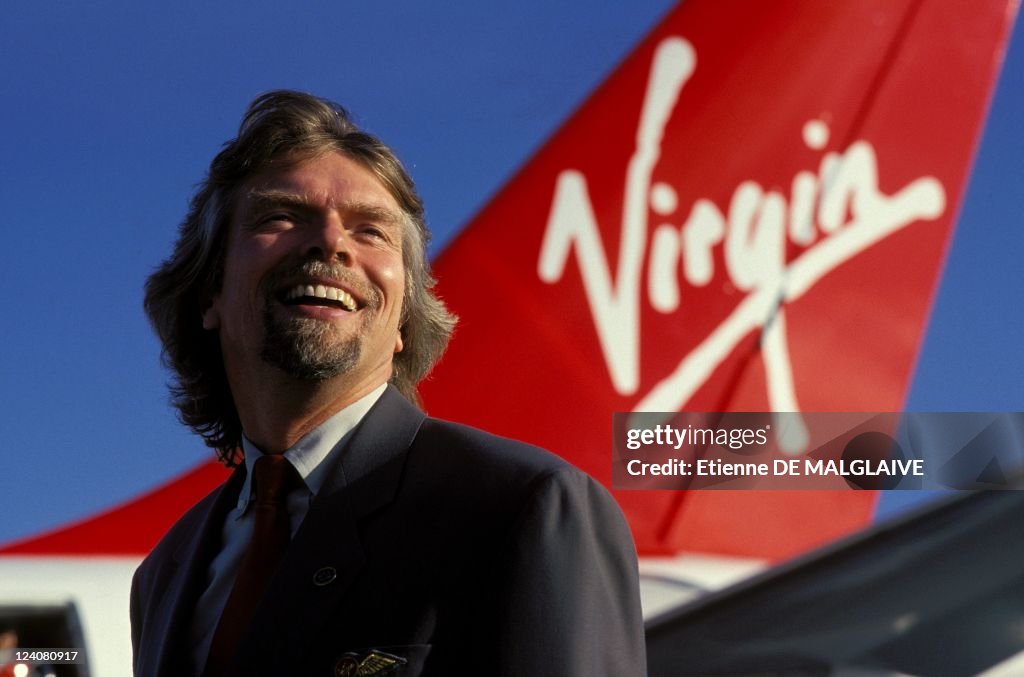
(449, 550)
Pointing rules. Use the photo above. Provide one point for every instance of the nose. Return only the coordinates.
(329, 241)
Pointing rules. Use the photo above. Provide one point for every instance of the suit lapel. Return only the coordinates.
(182, 583)
(327, 554)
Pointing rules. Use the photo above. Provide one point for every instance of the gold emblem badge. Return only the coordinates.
(374, 664)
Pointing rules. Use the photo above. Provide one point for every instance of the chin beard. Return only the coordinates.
(305, 349)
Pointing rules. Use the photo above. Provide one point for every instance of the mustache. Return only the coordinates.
(290, 272)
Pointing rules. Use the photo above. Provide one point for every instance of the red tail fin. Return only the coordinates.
(750, 214)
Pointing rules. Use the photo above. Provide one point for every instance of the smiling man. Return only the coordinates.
(356, 536)
(310, 301)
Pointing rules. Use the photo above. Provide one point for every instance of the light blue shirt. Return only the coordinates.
(308, 456)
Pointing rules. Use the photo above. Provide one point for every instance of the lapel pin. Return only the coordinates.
(325, 576)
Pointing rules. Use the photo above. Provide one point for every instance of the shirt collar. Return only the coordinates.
(310, 452)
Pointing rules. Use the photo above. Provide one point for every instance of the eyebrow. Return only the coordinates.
(263, 199)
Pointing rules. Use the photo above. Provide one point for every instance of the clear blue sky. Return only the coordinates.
(112, 112)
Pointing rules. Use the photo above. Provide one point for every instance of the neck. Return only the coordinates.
(279, 410)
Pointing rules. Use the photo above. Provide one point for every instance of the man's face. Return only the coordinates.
(313, 275)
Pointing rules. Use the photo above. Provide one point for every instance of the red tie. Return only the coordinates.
(273, 478)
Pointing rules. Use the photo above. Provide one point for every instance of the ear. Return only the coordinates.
(211, 315)
(398, 341)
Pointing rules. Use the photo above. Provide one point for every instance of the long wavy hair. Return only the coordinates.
(279, 126)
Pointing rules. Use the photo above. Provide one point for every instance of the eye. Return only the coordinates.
(277, 217)
(271, 221)
(372, 232)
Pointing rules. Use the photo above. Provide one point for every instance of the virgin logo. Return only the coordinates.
(833, 214)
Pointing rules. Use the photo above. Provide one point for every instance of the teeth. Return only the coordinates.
(322, 292)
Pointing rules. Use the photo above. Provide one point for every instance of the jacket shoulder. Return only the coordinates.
(462, 465)
(475, 450)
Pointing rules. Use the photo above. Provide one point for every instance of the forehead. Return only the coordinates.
(328, 180)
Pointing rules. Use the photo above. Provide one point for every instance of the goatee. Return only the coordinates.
(305, 349)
